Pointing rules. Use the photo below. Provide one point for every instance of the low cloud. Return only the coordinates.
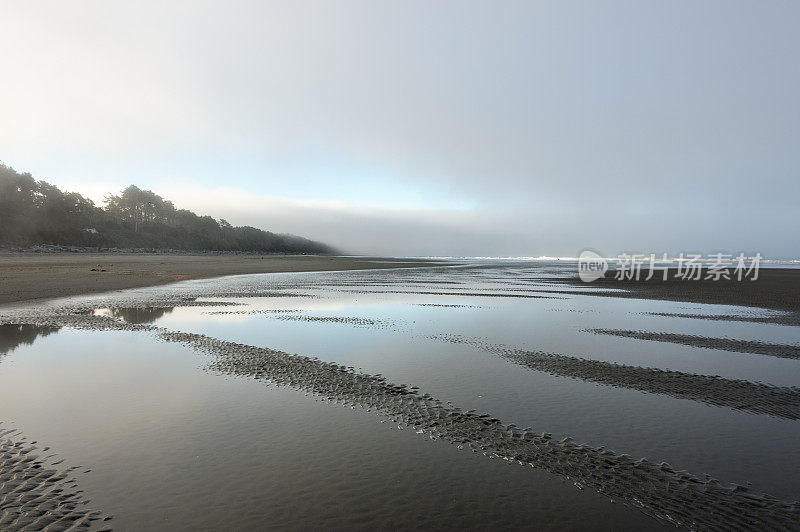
(362, 229)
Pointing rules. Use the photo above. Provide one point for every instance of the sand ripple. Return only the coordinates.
(738, 394)
(724, 344)
(676, 497)
(37, 495)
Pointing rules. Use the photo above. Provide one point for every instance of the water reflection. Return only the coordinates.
(340, 324)
(172, 446)
(298, 463)
(138, 315)
(12, 335)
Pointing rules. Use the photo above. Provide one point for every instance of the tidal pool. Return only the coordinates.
(220, 427)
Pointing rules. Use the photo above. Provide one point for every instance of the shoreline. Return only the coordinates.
(28, 278)
(776, 289)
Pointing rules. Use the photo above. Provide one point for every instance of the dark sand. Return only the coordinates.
(723, 344)
(29, 276)
(658, 490)
(737, 394)
(775, 289)
(36, 494)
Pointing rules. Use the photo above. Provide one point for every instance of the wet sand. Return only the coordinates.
(36, 494)
(30, 277)
(775, 289)
(723, 344)
(737, 394)
(656, 489)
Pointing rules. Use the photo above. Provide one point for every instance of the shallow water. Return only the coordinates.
(172, 444)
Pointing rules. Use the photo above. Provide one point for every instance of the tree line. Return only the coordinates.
(36, 212)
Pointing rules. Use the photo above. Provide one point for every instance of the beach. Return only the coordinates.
(425, 266)
(36, 276)
(775, 288)
(399, 397)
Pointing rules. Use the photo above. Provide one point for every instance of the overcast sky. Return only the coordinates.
(424, 128)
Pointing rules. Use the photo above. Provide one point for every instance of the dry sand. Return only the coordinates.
(30, 277)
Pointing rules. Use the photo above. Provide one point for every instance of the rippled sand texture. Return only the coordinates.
(37, 495)
(316, 304)
(658, 490)
(739, 394)
(724, 344)
(676, 497)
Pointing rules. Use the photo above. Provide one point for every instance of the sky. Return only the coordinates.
(466, 128)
